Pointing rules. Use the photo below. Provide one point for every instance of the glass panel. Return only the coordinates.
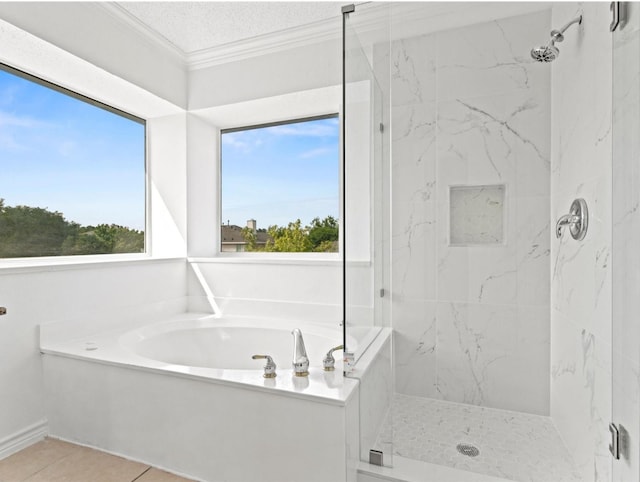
(280, 187)
(466, 116)
(625, 241)
(366, 214)
(73, 172)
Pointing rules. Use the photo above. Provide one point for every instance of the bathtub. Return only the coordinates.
(185, 395)
(228, 344)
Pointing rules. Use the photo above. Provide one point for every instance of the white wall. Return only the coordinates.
(298, 82)
(42, 291)
(91, 32)
(470, 320)
(581, 270)
(296, 69)
(46, 294)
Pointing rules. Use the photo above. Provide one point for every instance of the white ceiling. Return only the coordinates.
(197, 26)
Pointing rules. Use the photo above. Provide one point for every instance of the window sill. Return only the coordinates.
(298, 259)
(309, 259)
(61, 263)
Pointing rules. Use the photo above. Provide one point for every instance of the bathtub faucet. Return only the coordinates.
(300, 359)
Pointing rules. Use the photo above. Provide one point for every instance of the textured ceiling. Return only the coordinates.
(194, 26)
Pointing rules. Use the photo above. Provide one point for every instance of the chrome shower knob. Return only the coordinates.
(577, 220)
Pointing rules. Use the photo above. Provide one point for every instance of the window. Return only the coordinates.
(72, 170)
(280, 187)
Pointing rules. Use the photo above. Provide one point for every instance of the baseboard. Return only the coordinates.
(19, 440)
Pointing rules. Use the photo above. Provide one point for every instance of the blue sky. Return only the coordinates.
(60, 153)
(278, 174)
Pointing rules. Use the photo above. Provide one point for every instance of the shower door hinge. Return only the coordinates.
(382, 293)
(619, 15)
(375, 457)
(381, 127)
(614, 445)
(349, 8)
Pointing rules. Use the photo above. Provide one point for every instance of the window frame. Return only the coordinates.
(95, 257)
(281, 256)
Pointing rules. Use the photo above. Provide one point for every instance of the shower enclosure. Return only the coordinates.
(456, 171)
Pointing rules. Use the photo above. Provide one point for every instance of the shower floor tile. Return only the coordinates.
(517, 446)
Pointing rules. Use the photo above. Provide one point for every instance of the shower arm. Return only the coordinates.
(558, 35)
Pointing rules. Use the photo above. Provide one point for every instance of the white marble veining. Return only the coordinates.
(516, 446)
(470, 109)
(491, 58)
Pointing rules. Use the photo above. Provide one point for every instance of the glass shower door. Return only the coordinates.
(366, 213)
(625, 425)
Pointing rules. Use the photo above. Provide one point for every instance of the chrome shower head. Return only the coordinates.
(548, 53)
(545, 53)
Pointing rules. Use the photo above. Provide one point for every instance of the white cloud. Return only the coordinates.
(10, 120)
(320, 151)
(324, 129)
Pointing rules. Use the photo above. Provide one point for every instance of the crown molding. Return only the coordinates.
(149, 34)
(329, 29)
(323, 30)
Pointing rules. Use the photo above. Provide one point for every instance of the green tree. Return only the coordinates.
(250, 237)
(104, 239)
(324, 234)
(291, 239)
(27, 231)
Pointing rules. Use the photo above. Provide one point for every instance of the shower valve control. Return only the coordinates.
(3, 310)
(577, 220)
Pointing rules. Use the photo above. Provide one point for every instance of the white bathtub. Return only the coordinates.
(228, 344)
(184, 394)
(216, 350)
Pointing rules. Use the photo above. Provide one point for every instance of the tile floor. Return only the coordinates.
(54, 460)
(517, 446)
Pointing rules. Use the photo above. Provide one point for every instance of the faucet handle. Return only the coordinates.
(329, 362)
(269, 368)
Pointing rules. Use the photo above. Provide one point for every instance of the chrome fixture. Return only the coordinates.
(300, 358)
(618, 15)
(577, 220)
(349, 359)
(468, 450)
(329, 363)
(549, 52)
(269, 368)
(376, 457)
(3, 310)
(614, 444)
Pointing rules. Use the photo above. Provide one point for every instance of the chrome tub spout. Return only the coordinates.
(300, 358)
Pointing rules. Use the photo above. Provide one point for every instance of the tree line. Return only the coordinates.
(27, 231)
(320, 236)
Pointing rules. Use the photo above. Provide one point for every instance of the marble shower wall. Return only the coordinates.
(471, 318)
(581, 293)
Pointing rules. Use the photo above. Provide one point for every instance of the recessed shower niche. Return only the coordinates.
(476, 215)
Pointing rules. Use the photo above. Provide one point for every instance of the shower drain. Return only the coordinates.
(468, 450)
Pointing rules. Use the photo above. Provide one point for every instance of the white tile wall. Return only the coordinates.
(470, 108)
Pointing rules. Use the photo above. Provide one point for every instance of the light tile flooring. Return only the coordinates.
(54, 460)
(513, 445)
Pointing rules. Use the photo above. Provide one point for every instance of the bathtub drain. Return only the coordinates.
(468, 450)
